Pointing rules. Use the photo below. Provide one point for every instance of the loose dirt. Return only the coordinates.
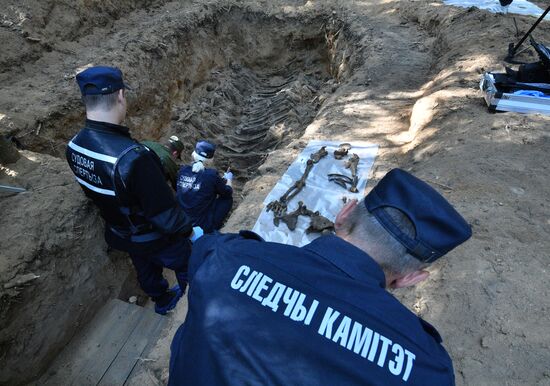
(261, 78)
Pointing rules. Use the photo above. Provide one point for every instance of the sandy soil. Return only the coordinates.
(262, 78)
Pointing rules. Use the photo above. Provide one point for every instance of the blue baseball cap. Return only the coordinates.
(100, 80)
(205, 149)
(439, 227)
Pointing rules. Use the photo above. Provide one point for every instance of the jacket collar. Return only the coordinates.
(348, 258)
(106, 126)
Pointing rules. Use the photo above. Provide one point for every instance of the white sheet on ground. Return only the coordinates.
(521, 7)
(319, 194)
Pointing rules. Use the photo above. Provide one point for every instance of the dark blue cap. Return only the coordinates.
(439, 227)
(205, 149)
(100, 80)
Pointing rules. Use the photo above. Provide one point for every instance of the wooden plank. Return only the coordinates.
(145, 332)
(140, 366)
(121, 326)
(89, 356)
(62, 370)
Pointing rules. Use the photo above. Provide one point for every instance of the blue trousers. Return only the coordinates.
(218, 213)
(149, 267)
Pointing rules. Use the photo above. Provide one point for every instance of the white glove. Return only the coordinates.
(197, 234)
(228, 176)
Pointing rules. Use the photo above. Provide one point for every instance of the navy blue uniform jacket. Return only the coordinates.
(126, 182)
(196, 193)
(264, 313)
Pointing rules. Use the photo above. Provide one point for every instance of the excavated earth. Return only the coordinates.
(261, 79)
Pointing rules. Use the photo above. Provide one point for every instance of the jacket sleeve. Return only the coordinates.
(171, 169)
(202, 249)
(147, 184)
(222, 188)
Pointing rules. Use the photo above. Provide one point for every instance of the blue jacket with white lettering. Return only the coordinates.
(196, 193)
(264, 313)
(126, 182)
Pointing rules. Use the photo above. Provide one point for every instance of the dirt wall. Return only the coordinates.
(54, 268)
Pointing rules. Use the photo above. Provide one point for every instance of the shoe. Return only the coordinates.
(174, 293)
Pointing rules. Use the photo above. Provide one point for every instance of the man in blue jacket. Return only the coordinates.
(263, 313)
(204, 196)
(126, 182)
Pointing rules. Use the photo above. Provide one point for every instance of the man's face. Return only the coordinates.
(176, 154)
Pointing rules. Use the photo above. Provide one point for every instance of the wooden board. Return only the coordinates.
(131, 354)
(109, 347)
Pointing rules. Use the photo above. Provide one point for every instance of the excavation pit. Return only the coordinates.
(247, 82)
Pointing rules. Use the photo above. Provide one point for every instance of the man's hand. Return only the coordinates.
(197, 234)
(228, 176)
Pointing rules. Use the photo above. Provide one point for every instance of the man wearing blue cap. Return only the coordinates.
(126, 182)
(204, 196)
(263, 313)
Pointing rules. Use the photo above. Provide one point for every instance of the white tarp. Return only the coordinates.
(319, 194)
(521, 7)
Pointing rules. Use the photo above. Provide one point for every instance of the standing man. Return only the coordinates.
(126, 182)
(264, 313)
(168, 154)
(205, 197)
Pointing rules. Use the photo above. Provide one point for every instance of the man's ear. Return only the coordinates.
(409, 279)
(120, 95)
(344, 213)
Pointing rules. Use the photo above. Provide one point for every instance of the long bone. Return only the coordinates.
(316, 157)
(351, 164)
(278, 207)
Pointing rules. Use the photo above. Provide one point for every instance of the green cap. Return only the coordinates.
(176, 143)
